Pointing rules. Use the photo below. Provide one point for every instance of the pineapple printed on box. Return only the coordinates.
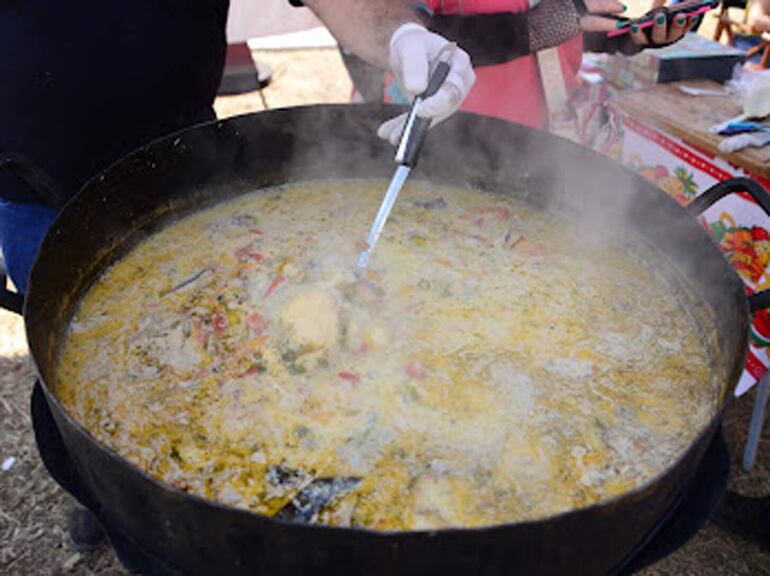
(680, 185)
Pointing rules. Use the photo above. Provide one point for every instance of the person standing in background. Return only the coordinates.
(503, 38)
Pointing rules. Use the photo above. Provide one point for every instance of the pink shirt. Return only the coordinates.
(512, 91)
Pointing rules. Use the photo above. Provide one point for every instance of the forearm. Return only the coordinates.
(377, 31)
(364, 26)
(599, 42)
(490, 39)
(500, 37)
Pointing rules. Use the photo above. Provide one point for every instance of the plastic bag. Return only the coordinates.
(735, 143)
(753, 89)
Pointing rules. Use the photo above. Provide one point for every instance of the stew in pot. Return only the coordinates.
(498, 364)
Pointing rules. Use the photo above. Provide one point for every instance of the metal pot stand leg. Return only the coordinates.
(757, 421)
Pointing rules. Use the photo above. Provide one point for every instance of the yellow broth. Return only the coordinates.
(495, 366)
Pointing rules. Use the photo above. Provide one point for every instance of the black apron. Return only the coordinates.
(83, 82)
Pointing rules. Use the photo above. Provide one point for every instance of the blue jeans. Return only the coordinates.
(22, 229)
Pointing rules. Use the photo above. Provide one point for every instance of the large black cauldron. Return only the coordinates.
(216, 161)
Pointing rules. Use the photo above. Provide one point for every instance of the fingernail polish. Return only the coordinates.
(660, 19)
(634, 28)
(620, 24)
(680, 19)
(624, 7)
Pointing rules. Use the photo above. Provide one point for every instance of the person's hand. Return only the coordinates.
(593, 23)
(413, 54)
(662, 33)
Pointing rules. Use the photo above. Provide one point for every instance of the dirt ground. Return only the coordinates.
(32, 536)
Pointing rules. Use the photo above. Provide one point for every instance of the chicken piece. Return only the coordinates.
(311, 320)
(163, 341)
(435, 506)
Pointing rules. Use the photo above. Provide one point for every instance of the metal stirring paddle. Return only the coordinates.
(412, 139)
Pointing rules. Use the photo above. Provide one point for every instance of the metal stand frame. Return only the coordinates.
(757, 421)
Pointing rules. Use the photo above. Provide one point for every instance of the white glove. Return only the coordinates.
(413, 54)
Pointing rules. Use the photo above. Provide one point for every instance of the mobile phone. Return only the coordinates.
(689, 8)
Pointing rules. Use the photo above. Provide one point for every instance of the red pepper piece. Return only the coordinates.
(219, 323)
(351, 377)
(363, 349)
(516, 242)
(200, 334)
(416, 371)
(249, 252)
(274, 284)
(256, 323)
(250, 372)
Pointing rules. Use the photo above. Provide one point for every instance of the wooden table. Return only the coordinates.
(689, 118)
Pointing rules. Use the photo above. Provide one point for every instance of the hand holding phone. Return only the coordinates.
(688, 8)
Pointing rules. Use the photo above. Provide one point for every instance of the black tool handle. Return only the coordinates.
(415, 138)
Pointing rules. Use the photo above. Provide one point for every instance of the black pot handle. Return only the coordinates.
(45, 192)
(32, 176)
(758, 300)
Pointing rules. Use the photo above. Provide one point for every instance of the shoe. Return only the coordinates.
(84, 529)
(745, 516)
